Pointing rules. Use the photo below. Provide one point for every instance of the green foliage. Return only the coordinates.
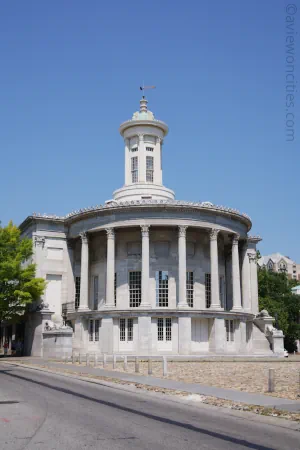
(274, 291)
(18, 285)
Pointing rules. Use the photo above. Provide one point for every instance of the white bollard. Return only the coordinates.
(104, 360)
(165, 366)
(114, 361)
(87, 359)
(73, 357)
(137, 364)
(95, 360)
(125, 363)
(79, 358)
(149, 366)
(271, 384)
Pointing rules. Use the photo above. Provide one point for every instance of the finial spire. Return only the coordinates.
(143, 104)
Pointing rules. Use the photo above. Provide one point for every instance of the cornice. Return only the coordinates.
(125, 205)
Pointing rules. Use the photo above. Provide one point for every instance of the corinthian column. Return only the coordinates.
(84, 273)
(236, 282)
(253, 282)
(214, 270)
(246, 279)
(182, 302)
(145, 303)
(110, 268)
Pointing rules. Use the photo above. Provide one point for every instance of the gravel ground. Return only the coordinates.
(244, 376)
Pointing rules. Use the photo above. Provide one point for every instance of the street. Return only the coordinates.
(47, 412)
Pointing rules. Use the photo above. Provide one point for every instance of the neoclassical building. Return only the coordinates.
(145, 274)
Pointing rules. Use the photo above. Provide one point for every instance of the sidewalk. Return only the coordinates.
(193, 388)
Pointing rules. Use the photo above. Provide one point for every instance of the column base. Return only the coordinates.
(216, 307)
(83, 308)
(183, 306)
(237, 309)
(145, 306)
(109, 306)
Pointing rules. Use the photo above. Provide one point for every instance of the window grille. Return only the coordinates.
(135, 169)
(115, 289)
(160, 329)
(149, 168)
(168, 329)
(162, 288)
(229, 324)
(77, 292)
(164, 329)
(208, 289)
(190, 288)
(129, 329)
(122, 329)
(126, 330)
(135, 289)
(222, 290)
(96, 292)
(94, 330)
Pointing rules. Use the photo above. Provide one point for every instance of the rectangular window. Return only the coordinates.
(222, 290)
(77, 292)
(115, 289)
(190, 288)
(164, 329)
(96, 292)
(135, 289)
(229, 324)
(134, 149)
(126, 330)
(208, 289)
(149, 149)
(134, 169)
(162, 288)
(94, 330)
(149, 168)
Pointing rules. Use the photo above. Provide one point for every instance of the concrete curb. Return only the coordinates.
(243, 415)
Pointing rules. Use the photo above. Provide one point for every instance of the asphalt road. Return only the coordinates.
(49, 412)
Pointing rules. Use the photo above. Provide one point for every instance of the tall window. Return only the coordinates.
(134, 169)
(115, 289)
(164, 329)
(135, 289)
(190, 288)
(208, 289)
(126, 330)
(94, 330)
(96, 292)
(162, 288)
(222, 290)
(149, 168)
(77, 292)
(229, 324)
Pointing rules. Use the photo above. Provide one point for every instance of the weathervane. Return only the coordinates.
(143, 88)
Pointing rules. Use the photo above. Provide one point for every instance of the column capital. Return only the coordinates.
(252, 257)
(145, 230)
(158, 140)
(213, 234)
(110, 233)
(84, 236)
(182, 230)
(235, 239)
(141, 137)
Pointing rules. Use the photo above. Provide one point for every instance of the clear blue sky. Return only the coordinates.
(70, 73)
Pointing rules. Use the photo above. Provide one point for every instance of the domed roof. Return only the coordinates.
(143, 115)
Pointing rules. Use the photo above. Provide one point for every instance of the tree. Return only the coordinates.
(18, 285)
(274, 291)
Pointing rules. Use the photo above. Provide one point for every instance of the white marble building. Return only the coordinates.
(146, 274)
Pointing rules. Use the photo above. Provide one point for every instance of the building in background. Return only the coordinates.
(147, 274)
(276, 262)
